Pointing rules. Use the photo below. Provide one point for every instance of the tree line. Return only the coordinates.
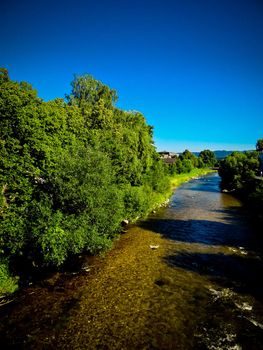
(241, 174)
(71, 170)
(187, 161)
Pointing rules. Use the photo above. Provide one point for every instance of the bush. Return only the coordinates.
(8, 284)
(136, 201)
(238, 171)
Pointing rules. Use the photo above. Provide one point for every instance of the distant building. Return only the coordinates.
(165, 154)
(168, 157)
(169, 160)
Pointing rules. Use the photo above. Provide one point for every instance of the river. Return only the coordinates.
(188, 277)
(217, 255)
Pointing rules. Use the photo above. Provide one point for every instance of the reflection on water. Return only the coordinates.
(216, 268)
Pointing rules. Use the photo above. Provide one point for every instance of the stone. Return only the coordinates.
(154, 246)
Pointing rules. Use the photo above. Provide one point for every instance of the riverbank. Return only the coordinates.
(114, 304)
(179, 179)
(104, 308)
(161, 200)
(9, 284)
(158, 288)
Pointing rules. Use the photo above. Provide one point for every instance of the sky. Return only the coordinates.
(194, 68)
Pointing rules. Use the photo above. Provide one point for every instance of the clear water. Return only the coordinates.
(216, 256)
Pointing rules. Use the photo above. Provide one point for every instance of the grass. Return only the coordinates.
(160, 199)
(178, 179)
(8, 284)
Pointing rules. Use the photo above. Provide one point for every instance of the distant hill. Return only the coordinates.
(220, 154)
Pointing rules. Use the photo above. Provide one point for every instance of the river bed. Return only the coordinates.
(188, 277)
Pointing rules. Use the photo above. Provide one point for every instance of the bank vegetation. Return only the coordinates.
(241, 174)
(71, 171)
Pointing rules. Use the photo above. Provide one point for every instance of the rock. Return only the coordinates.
(243, 252)
(154, 246)
(85, 267)
(228, 191)
(244, 306)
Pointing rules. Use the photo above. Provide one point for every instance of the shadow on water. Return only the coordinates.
(238, 273)
(203, 232)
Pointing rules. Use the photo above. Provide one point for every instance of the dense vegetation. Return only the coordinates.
(187, 161)
(239, 173)
(71, 171)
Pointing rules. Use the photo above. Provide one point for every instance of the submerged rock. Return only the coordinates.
(154, 246)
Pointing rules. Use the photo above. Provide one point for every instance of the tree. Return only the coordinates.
(238, 171)
(4, 77)
(71, 172)
(259, 145)
(208, 157)
(187, 155)
(87, 91)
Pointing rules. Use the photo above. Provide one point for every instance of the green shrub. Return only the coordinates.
(54, 241)
(136, 201)
(8, 283)
(238, 171)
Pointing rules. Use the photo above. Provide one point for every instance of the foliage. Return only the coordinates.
(185, 163)
(189, 156)
(178, 179)
(4, 77)
(71, 172)
(208, 158)
(255, 200)
(259, 145)
(238, 171)
(87, 91)
(8, 284)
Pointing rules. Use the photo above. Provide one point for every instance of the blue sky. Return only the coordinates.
(193, 68)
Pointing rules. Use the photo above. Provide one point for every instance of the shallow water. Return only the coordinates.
(217, 258)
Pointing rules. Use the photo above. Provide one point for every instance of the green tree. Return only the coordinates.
(238, 171)
(87, 91)
(71, 172)
(4, 77)
(259, 145)
(208, 158)
(187, 155)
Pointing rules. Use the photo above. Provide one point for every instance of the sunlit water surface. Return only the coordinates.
(215, 281)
